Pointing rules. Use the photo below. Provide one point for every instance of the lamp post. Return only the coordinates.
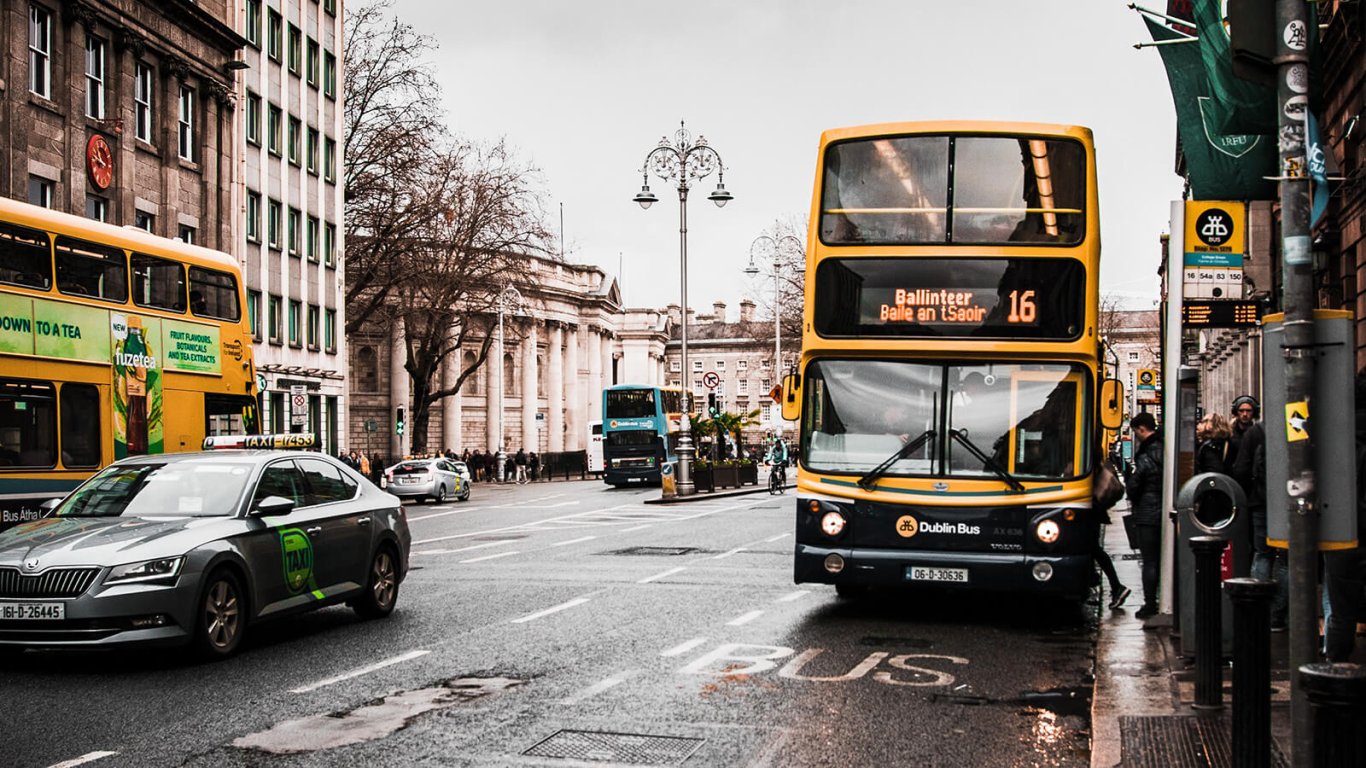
(773, 249)
(510, 298)
(681, 162)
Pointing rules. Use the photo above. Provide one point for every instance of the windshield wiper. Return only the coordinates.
(987, 461)
(869, 481)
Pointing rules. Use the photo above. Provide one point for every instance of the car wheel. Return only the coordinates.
(440, 497)
(221, 617)
(381, 588)
(466, 495)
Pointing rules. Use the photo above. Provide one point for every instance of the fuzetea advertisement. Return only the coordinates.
(137, 385)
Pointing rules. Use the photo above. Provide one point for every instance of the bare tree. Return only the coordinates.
(791, 281)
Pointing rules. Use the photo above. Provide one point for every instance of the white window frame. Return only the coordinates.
(1133, 357)
(675, 366)
(720, 365)
(697, 366)
(253, 217)
(744, 387)
(185, 123)
(742, 365)
(40, 51)
(142, 102)
(45, 189)
(97, 208)
(94, 77)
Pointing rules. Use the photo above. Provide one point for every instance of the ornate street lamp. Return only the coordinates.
(772, 249)
(682, 162)
(510, 300)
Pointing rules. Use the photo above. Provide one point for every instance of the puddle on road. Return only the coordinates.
(371, 721)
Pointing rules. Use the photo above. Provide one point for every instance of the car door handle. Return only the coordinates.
(363, 521)
(314, 531)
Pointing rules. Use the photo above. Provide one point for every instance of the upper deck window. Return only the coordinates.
(158, 283)
(87, 269)
(631, 404)
(213, 294)
(25, 257)
(966, 190)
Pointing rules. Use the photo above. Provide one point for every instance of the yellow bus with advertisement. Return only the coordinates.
(950, 391)
(113, 342)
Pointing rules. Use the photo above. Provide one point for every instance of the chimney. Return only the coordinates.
(718, 309)
(746, 311)
(674, 316)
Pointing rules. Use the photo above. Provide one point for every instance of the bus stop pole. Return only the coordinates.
(1171, 403)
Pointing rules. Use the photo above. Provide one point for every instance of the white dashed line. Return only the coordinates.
(791, 596)
(572, 541)
(658, 576)
(462, 549)
(490, 557)
(725, 555)
(682, 648)
(548, 611)
(83, 759)
(443, 514)
(776, 538)
(593, 690)
(358, 672)
(747, 618)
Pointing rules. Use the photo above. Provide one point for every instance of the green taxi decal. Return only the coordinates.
(297, 551)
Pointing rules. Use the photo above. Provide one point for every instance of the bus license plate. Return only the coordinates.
(32, 611)
(921, 573)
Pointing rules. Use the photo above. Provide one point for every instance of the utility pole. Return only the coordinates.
(1292, 97)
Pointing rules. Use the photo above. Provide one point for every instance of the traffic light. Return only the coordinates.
(399, 422)
(1252, 40)
(712, 410)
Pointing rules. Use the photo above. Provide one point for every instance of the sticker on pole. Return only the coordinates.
(1296, 421)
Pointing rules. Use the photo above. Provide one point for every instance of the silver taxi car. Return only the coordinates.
(195, 548)
(435, 479)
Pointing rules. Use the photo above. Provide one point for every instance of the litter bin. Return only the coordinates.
(1211, 504)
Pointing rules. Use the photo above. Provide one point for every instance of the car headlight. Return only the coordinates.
(165, 568)
(1047, 531)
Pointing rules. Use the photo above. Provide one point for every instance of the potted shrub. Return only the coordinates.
(726, 474)
(702, 477)
(749, 472)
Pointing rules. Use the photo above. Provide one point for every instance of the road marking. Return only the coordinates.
(83, 759)
(563, 504)
(593, 690)
(463, 549)
(573, 541)
(747, 618)
(637, 528)
(658, 576)
(490, 557)
(682, 648)
(548, 611)
(410, 655)
(792, 596)
(725, 555)
(443, 514)
(775, 538)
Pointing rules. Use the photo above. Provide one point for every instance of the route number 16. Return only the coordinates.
(1022, 307)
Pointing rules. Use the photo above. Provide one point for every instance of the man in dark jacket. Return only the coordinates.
(1145, 502)
(1344, 572)
(1249, 469)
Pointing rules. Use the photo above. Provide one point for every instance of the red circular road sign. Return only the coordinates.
(711, 380)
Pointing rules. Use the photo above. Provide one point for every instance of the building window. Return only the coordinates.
(253, 118)
(330, 331)
(142, 103)
(273, 223)
(330, 75)
(697, 366)
(765, 363)
(296, 130)
(296, 48)
(313, 62)
(720, 365)
(766, 413)
(40, 51)
(313, 151)
(253, 217)
(186, 120)
(330, 160)
(1133, 357)
(742, 365)
(96, 208)
(312, 327)
(294, 217)
(295, 310)
(253, 31)
(186, 234)
(330, 245)
(39, 192)
(274, 34)
(312, 238)
(94, 78)
(330, 6)
(274, 120)
(675, 366)
(744, 387)
(254, 313)
(767, 385)
(144, 220)
(273, 320)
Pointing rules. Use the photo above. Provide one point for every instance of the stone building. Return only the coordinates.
(1134, 339)
(122, 111)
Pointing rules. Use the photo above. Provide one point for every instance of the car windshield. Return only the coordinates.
(169, 489)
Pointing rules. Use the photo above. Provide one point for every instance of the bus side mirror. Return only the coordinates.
(792, 397)
(1111, 403)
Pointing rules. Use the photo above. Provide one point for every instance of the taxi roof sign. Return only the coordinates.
(281, 441)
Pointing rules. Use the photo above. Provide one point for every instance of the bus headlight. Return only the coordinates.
(832, 523)
(1047, 531)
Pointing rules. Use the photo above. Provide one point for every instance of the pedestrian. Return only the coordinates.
(1108, 491)
(362, 465)
(1216, 451)
(1145, 504)
(1344, 571)
(1249, 469)
(521, 460)
(534, 466)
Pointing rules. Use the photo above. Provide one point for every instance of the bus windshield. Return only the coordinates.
(969, 420)
(954, 189)
(631, 404)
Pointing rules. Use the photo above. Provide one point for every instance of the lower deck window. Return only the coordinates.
(28, 424)
(80, 426)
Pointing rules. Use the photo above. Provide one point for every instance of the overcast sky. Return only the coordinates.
(584, 89)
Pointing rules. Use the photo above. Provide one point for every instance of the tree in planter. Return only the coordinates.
(733, 424)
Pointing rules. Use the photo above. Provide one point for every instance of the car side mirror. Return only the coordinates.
(273, 505)
(49, 505)
(1111, 403)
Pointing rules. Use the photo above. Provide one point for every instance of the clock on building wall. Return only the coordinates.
(99, 162)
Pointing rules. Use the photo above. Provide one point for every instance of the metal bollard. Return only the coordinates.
(1209, 646)
(1251, 671)
(1337, 708)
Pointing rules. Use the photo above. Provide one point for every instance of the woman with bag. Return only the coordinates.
(1106, 491)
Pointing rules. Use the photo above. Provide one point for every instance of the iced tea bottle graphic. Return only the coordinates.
(135, 386)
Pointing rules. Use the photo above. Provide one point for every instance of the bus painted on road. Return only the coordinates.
(640, 428)
(113, 343)
(950, 388)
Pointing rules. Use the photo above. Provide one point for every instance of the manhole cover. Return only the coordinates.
(632, 748)
(665, 551)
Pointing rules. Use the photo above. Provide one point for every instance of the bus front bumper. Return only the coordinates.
(1067, 574)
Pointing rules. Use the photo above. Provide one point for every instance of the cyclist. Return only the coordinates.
(777, 456)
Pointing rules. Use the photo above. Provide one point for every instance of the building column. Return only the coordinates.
(554, 357)
(400, 391)
(607, 379)
(530, 397)
(594, 394)
(493, 396)
(452, 407)
(573, 390)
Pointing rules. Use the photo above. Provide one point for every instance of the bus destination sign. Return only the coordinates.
(1220, 314)
(952, 307)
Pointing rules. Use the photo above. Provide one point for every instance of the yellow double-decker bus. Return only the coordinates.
(113, 342)
(950, 390)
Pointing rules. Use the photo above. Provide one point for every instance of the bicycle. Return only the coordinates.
(777, 479)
